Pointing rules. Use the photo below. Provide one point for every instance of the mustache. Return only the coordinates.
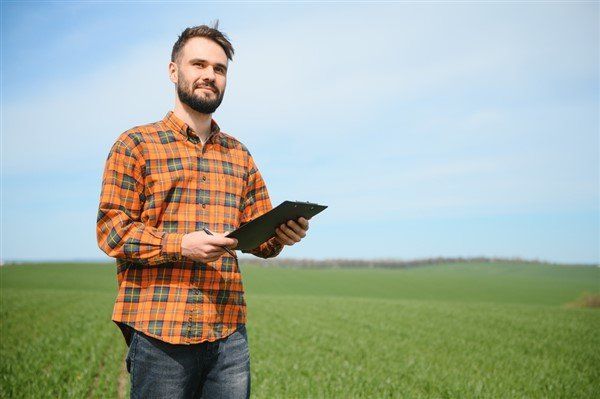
(207, 85)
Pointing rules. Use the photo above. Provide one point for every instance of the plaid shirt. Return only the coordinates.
(160, 182)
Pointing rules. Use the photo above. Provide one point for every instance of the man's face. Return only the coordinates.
(200, 74)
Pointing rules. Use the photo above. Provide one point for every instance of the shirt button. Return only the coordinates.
(203, 178)
(203, 205)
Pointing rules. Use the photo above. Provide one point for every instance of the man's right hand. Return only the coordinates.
(203, 247)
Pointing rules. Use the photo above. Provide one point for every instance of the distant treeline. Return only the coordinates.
(338, 263)
(386, 263)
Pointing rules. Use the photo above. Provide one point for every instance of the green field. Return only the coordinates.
(445, 331)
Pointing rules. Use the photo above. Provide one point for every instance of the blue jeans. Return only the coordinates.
(219, 369)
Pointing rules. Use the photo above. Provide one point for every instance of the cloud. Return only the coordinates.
(333, 76)
(75, 123)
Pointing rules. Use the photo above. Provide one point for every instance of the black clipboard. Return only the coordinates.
(250, 235)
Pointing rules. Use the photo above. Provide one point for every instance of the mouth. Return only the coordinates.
(207, 89)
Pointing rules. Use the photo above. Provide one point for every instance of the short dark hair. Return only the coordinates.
(208, 32)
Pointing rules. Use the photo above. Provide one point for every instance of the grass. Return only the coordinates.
(447, 331)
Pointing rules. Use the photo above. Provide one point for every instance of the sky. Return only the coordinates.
(429, 129)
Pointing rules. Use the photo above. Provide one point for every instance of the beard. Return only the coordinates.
(197, 102)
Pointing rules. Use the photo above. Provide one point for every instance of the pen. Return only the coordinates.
(229, 251)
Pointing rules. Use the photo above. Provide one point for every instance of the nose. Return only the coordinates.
(208, 74)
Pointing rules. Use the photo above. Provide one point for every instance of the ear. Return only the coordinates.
(173, 72)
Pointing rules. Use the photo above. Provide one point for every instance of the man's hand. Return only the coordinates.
(202, 247)
(292, 232)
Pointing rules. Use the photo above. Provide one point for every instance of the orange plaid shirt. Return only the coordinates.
(160, 182)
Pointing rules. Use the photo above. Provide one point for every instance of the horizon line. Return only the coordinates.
(389, 261)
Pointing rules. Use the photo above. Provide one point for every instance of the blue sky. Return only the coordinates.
(435, 129)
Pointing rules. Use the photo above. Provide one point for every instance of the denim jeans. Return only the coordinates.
(219, 369)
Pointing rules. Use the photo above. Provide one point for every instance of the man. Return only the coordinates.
(180, 303)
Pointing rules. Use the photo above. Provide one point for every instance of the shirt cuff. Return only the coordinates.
(268, 249)
(171, 245)
(276, 247)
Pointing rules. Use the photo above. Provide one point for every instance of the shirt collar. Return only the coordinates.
(177, 125)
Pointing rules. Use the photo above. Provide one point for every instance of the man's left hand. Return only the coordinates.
(292, 232)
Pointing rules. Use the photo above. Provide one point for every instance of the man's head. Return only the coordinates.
(198, 67)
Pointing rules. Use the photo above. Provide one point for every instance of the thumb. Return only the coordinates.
(234, 241)
(221, 240)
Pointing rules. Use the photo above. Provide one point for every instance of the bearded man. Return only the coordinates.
(171, 191)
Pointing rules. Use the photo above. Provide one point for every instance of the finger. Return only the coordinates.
(284, 237)
(290, 233)
(214, 251)
(296, 228)
(222, 241)
(303, 222)
(230, 243)
(209, 256)
(221, 251)
(218, 252)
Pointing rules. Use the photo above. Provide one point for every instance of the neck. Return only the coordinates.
(200, 123)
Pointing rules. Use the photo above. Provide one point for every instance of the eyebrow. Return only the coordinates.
(194, 60)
